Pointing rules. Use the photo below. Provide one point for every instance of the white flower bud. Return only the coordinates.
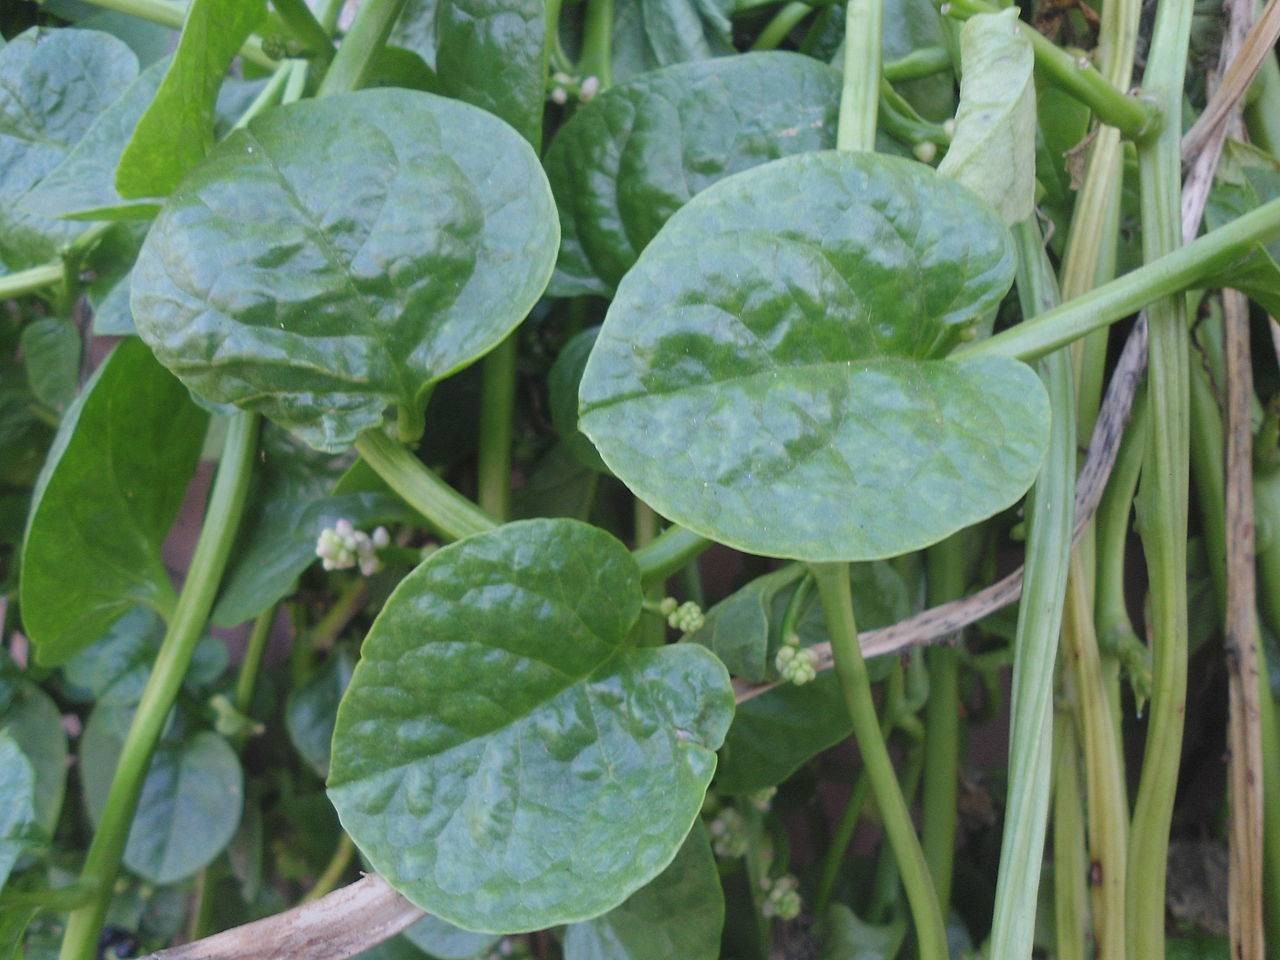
(589, 88)
(559, 96)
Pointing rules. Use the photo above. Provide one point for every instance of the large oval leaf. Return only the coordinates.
(771, 373)
(33, 720)
(340, 255)
(503, 756)
(17, 804)
(109, 491)
(633, 156)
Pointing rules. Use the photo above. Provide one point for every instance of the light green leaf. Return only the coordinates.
(679, 913)
(846, 937)
(191, 800)
(634, 155)
(17, 804)
(444, 941)
(492, 53)
(415, 30)
(33, 720)
(648, 34)
(772, 372)
(176, 131)
(340, 255)
(312, 706)
(53, 85)
(1247, 178)
(108, 493)
(503, 756)
(51, 356)
(993, 152)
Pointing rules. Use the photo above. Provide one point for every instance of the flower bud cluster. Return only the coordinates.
(781, 898)
(342, 547)
(796, 664)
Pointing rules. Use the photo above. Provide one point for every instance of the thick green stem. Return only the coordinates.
(597, 42)
(304, 26)
(497, 420)
(334, 871)
(252, 662)
(1070, 864)
(1162, 276)
(1163, 503)
(921, 62)
(653, 628)
(1050, 517)
(32, 280)
(837, 604)
(226, 504)
(783, 22)
(674, 548)
(172, 15)
(360, 47)
(860, 96)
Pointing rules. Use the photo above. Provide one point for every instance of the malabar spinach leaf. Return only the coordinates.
(634, 155)
(993, 152)
(503, 756)
(444, 941)
(51, 356)
(1247, 178)
(562, 387)
(312, 707)
(17, 804)
(33, 720)
(772, 373)
(648, 34)
(109, 490)
(340, 255)
(679, 913)
(176, 131)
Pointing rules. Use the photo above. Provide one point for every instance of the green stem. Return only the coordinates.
(837, 602)
(860, 95)
(497, 419)
(653, 627)
(901, 121)
(1271, 795)
(173, 15)
(597, 43)
(31, 280)
(1262, 108)
(271, 94)
(360, 47)
(919, 63)
(672, 549)
(252, 662)
(226, 504)
(783, 22)
(839, 843)
(1070, 869)
(328, 628)
(334, 871)
(304, 26)
(1180, 269)
(1137, 119)
(1163, 502)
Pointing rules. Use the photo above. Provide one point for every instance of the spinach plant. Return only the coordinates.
(554, 480)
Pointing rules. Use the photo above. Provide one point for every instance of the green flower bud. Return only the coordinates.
(798, 665)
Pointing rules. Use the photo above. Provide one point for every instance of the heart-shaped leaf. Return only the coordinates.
(504, 756)
(772, 373)
(339, 255)
(113, 482)
(634, 155)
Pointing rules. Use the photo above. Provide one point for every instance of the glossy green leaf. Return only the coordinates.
(679, 913)
(176, 131)
(648, 34)
(191, 800)
(491, 53)
(847, 937)
(340, 255)
(1247, 178)
(993, 152)
(33, 720)
(83, 185)
(503, 756)
(312, 707)
(51, 356)
(113, 482)
(562, 389)
(634, 155)
(53, 85)
(771, 373)
(17, 804)
(444, 941)
(910, 25)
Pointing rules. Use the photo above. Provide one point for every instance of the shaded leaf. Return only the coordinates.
(111, 266)
(51, 356)
(771, 373)
(341, 255)
(312, 707)
(560, 486)
(108, 493)
(847, 937)
(503, 756)
(17, 804)
(648, 34)
(562, 389)
(634, 155)
(1247, 178)
(444, 941)
(33, 720)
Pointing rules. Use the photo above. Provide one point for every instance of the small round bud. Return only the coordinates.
(728, 834)
(687, 618)
(925, 151)
(796, 665)
(559, 96)
(667, 606)
(381, 538)
(949, 127)
(589, 88)
(762, 800)
(783, 899)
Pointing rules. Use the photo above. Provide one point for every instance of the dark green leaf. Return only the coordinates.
(1247, 178)
(13, 927)
(562, 388)
(17, 803)
(112, 484)
(846, 937)
(340, 255)
(503, 756)
(772, 375)
(53, 85)
(191, 800)
(33, 720)
(741, 628)
(993, 150)
(51, 355)
(635, 154)
(679, 913)
(176, 131)
(111, 266)
(560, 486)
(491, 53)
(444, 941)
(416, 30)
(910, 25)
(311, 708)
(648, 34)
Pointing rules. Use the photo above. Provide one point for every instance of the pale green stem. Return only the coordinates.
(360, 47)
(252, 662)
(783, 22)
(334, 871)
(1070, 866)
(860, 96)
(32, 280)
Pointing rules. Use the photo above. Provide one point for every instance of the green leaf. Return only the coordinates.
(340, 255)
(13, 928)
(634, 155)
(492, 53)
(1247, 178)
(910, 25)
(176, 131)
(771, 374)
(17, 804)
(648, 34)
(559, 486)
(111, 264)
(51, 355)
(679, 913)
(846, 937)
(562, 388)
(415, 30)
(444, 941)
(742, 627)
(312, 706)
(503, 756)
(33, 720)
(83, 185)
(108, 493)
(53, 85)
(993, 152)
(191, 800)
